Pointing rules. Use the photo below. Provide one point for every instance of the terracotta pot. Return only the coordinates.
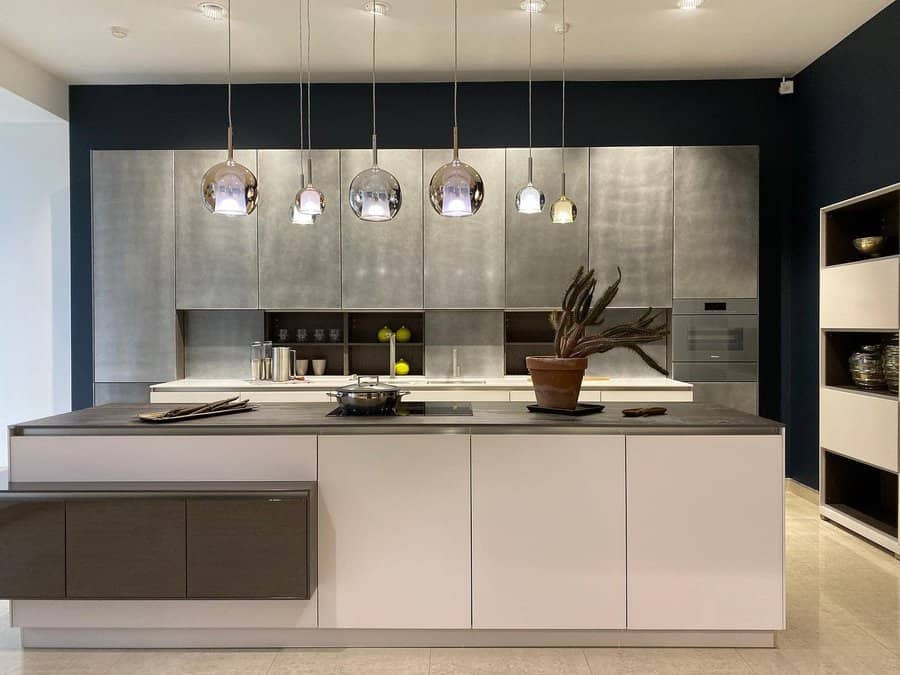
(556, 381)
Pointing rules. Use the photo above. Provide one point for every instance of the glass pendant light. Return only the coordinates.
(563, 209)
(229, 188)
(530, 199)
(310, 200)
(456, 189)
(375, 193)
(294, 213)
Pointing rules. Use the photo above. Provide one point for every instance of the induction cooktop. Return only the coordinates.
(417, 408)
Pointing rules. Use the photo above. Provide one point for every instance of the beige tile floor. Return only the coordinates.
(843, 617)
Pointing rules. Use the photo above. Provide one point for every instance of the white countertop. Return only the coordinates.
(328, 382)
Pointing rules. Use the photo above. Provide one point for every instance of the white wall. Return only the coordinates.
(35, 351)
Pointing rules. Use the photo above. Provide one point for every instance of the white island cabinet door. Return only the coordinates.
(548, 531)
(705, 532)
(394, 531)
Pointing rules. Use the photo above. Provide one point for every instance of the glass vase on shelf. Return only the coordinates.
(866, 369)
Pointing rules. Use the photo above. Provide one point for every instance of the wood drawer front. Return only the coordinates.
(252, 547)
(861, 295)
(32, 549)
(859, 426)
(125, 548)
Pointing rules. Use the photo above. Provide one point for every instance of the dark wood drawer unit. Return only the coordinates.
(248, 547)
(125, 548)
(32, 549)
(174, 540)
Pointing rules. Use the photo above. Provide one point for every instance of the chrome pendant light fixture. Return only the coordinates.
(229, 188)
(456, 189)
(294, 213)
(310, 200)
(563, 209)
(375, 193)
(530, 199)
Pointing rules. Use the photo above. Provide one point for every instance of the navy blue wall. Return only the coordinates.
(732, 112)
(847, 114)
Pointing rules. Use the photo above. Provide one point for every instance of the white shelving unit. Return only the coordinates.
(859, 430)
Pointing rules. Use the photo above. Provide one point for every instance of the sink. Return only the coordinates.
(455, 381)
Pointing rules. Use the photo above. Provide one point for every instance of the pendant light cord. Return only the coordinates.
(565, 30)
(308, 98)
(530, 57)
(301, 89)
(374, 133)
(230, 141)
(455, 56)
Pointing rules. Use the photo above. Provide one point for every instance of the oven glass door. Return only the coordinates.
(714, 338)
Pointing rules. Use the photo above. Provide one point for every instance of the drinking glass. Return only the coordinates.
(302, 335)
(334, 334)
(319, 335)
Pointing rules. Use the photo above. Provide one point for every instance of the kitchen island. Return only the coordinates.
(499, 528)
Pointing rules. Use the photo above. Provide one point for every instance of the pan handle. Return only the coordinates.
(332, 394)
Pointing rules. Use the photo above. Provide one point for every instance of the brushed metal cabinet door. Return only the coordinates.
(541, 258)
(299, 265)
(631, 223)
(716, 222)
(216, 256)
(133, 220)
(465, 257)
(382, 262)
(122, 392)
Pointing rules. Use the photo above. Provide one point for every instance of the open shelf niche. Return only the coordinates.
(877, 216)
(837, 348)
(368, 356)
(863, 492)
(525, 334)
(332, 351)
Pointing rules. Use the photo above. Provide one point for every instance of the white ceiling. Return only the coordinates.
(170, 42)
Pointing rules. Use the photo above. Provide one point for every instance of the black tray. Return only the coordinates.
(580, 410)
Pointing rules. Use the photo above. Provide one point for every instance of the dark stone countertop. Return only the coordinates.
(310, 418)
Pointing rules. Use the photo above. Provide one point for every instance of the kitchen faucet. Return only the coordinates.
(455, 369)
(392, 336)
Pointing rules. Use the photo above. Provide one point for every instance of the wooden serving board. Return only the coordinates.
(160, 418)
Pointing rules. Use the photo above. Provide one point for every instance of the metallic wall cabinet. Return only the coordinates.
(134, 265)
(464, 257)
(716, 222)
(299, 265)
(541, 258)
(216, 261)
(382, 262)
(631, 223)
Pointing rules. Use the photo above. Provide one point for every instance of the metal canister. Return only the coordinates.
(283, 364)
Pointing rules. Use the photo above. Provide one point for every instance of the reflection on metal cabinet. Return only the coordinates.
(299, 265)
(464, 257)
(382, 262)
(716, 222)
(631, 222)
(216, 257)
(541, 258)
(133, 265)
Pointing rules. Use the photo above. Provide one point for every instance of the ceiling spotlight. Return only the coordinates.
(119, 32)
(212, 10)
(690, 4)
(377, 7)
(533, 6)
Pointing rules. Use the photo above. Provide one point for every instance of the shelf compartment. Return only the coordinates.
(516, 353)
(861, 427)
(528, 327)
(861, 297)
(372, 359)
(292, 321)
(863, 492)
(875, 216)
(837, 347)
(364, 326)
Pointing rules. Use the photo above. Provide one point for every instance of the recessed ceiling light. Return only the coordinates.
(689, 4)
(212, 10)
(378, 7)
(533, 6)
(562, 27)
(119, 32)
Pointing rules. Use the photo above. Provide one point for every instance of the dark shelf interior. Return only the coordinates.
(879, 216)
(839, 345)
(292, 321)
(528, 327)
(364, 326)
(863, 492)
(372, 359)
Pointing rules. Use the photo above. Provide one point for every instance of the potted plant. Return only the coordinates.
(557, 379)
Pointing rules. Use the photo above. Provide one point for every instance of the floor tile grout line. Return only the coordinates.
(586, 662)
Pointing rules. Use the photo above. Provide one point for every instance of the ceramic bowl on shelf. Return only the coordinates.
(870, 246)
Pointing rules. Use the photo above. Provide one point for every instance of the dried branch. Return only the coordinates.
(579, 311)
